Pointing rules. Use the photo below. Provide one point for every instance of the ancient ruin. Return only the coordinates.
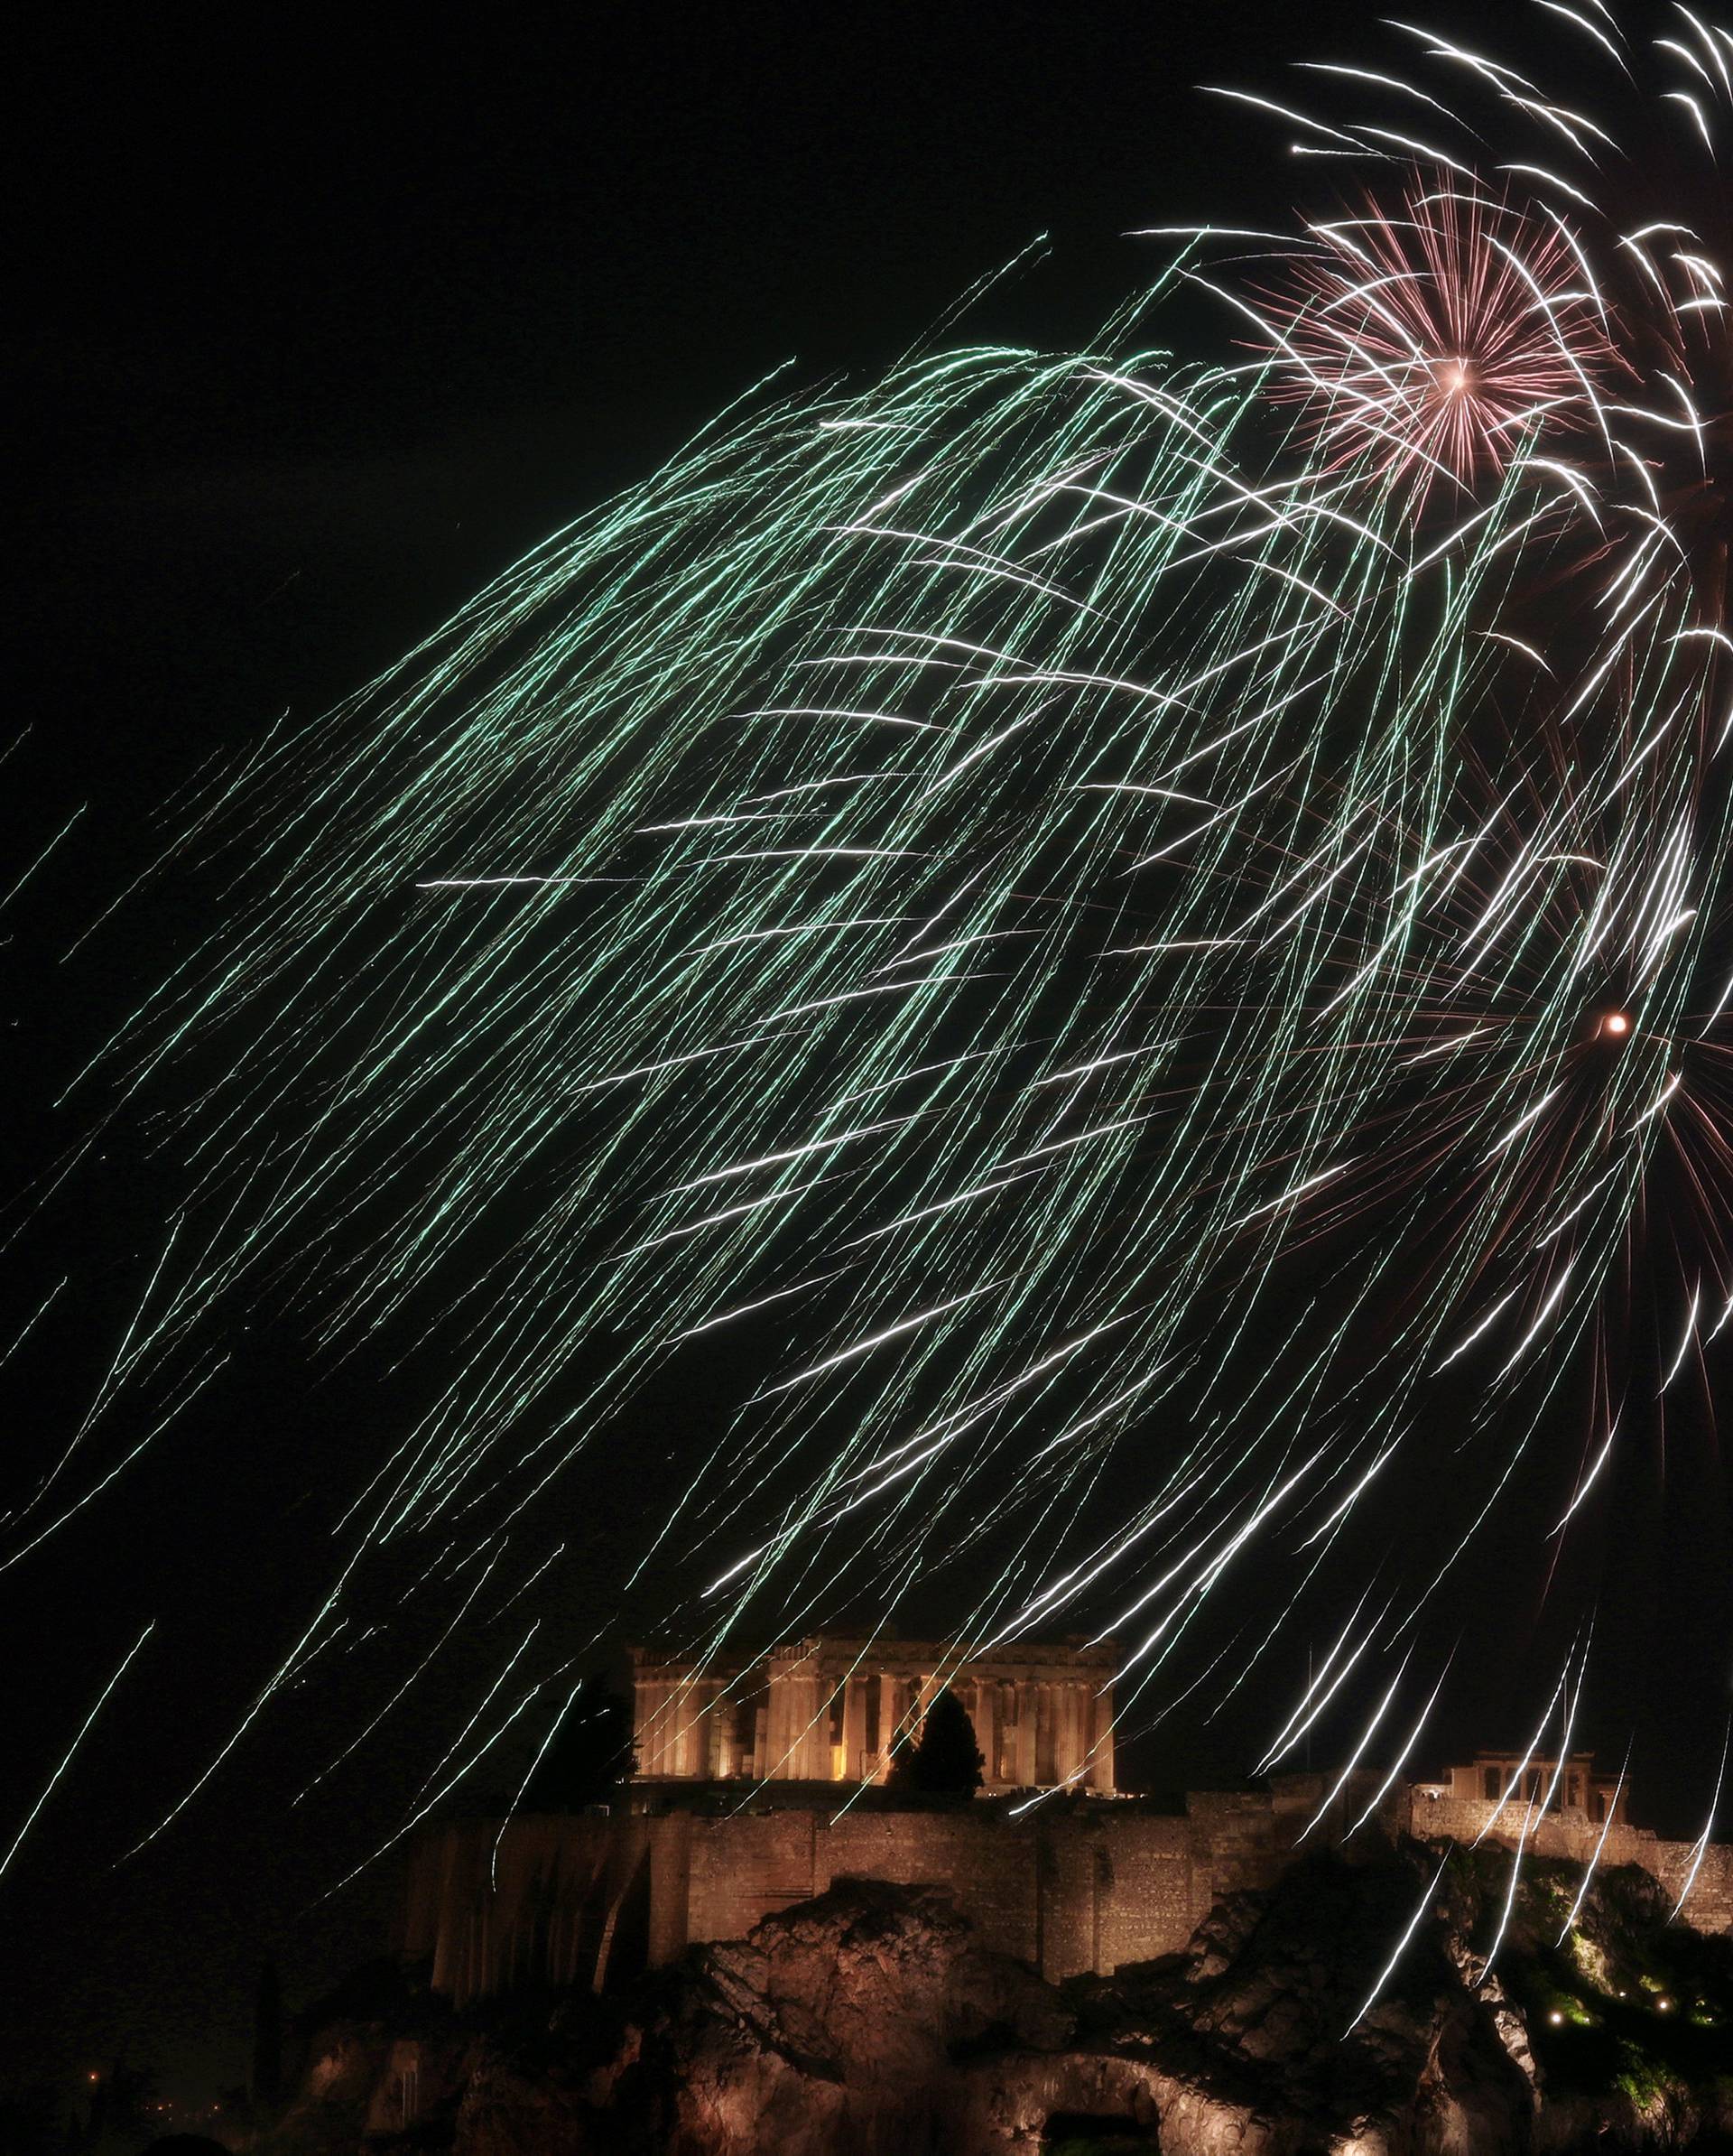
(758, 1786)
(834, 1709)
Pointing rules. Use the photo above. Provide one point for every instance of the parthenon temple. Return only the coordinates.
(832, 1709)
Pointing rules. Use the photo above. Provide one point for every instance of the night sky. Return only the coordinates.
(321, 320)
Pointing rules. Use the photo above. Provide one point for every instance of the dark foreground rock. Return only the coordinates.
(871, 2022)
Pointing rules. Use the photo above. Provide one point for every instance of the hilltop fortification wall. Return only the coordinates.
(1086, 1885)
(1703, 1875)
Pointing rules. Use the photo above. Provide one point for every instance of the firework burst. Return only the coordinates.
(1437, 341)
(1133, 929)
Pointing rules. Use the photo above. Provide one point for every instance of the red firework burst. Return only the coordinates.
(1432, 342)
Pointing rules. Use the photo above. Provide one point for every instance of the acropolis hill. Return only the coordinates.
(759, 1785)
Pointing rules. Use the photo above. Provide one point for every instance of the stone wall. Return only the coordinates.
(1086, 1884)
(1086, 1891)
(542, 1902)
(1571, 1834)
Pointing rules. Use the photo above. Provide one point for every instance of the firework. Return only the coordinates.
(1138, 914)
(1438, 339)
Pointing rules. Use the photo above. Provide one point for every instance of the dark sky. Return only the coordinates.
(320, 320)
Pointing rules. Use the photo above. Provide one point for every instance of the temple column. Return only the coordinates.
(853, 1726)
(685, 1729)
(674, 1720)
(653, 1734)
(644, 1712)
(666, 1726)
(804, 1755)
(1101, 1741)
(900, 1706)
(776, 1761)
(986, 1720)
(1044, 1775)
(711, 1720)
(1026, 1693)
(1065, 1732)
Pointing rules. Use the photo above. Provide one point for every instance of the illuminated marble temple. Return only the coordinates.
(831, 1708)
(1504, 1786)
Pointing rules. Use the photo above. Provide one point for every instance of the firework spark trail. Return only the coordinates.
(1059, 877)
(70, 1753)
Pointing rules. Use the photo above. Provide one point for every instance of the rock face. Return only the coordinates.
(330, 2109)
(1261, 2024)
(871, 2022)
(837, 2025)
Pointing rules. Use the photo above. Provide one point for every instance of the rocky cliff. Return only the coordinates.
(871, 2022)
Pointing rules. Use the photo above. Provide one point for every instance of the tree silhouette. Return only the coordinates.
(945, 1760)
(123, 2114)
(590, 1754)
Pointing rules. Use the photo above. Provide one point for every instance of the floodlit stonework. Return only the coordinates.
(1513, 1780)
(834, 1709)
(1069, 1885)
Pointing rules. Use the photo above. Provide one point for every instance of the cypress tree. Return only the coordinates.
(946, 1760)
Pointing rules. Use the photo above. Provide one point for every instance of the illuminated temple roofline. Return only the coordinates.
(1507, 1782)
(832, 1708)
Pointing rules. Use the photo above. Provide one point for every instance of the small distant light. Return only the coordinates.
(1556, 2016)
(1665, 2004)
(1617, 1023)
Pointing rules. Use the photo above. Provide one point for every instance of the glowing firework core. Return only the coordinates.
(1615, 1024)
(1431, 336)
